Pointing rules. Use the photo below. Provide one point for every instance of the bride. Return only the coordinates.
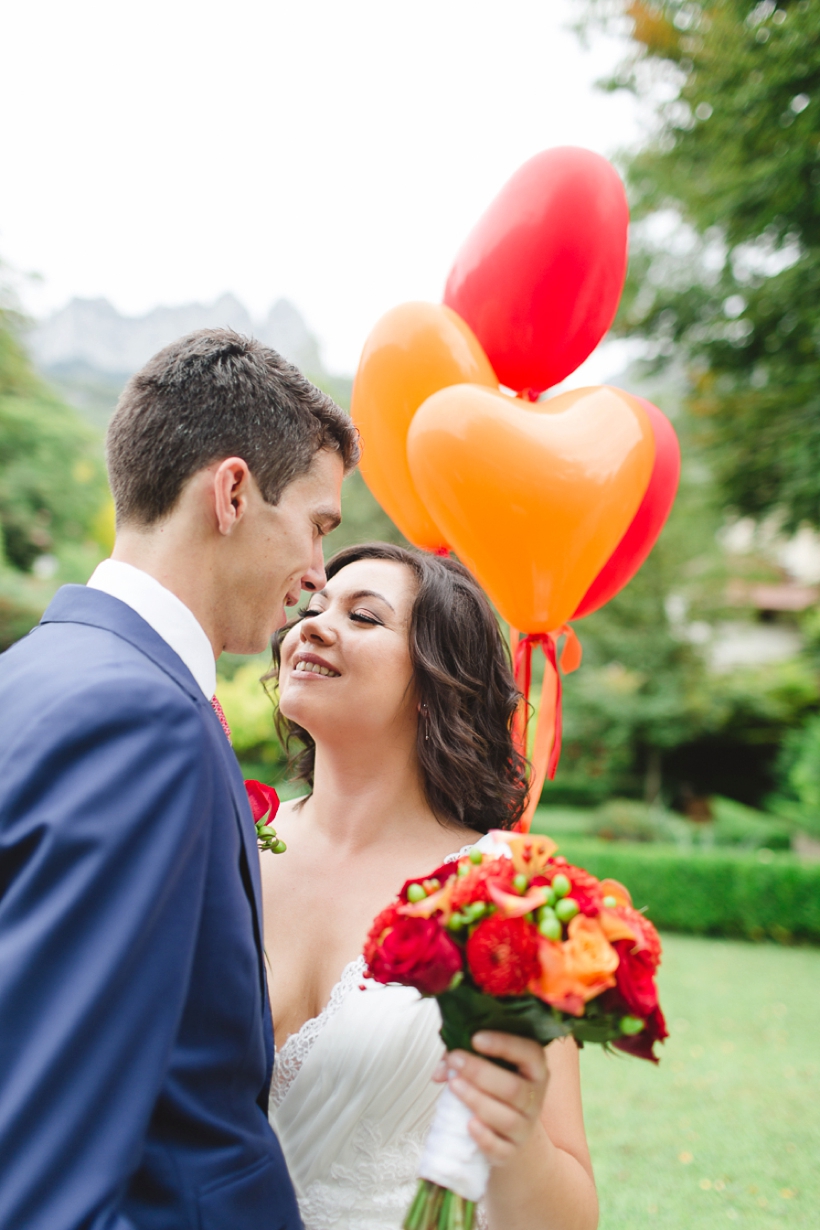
(396, 682)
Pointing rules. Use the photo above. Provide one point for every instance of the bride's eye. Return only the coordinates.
(363, 618)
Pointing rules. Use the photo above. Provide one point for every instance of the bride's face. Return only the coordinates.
(345, 668)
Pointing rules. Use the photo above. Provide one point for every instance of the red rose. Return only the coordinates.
(417, 952)
(641, 1044)
(263, 799)
(502, 954)
(635, 978)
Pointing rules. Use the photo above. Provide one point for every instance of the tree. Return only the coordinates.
(735, 288)
(52, 481)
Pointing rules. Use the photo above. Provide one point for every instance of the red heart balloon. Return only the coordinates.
(539, 278)
(632, 551)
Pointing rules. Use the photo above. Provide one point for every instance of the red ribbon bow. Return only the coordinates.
(547, 745)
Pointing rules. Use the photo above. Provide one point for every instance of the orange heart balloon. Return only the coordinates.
(414, 350)
(533, 498)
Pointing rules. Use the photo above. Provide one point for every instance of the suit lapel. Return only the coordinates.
(76, 604)
(247, 832)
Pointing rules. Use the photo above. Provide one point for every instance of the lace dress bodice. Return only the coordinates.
(352, 1100)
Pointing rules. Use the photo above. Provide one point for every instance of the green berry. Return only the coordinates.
(266, 831)
(520, 883)
(280, 847)
(457, 921)
(566, 908)
(475, 856)
(551, 896)
(610, 903)
(550, 927)
(561, 885)
(631, 1025)
(475, 910)
(463, 869)
(416, 892)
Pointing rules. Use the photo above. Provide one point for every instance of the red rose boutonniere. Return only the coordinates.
(264, 803)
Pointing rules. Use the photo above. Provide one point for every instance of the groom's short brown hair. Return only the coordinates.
(216, 394)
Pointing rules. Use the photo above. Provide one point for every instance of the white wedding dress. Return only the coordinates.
(352, 1099)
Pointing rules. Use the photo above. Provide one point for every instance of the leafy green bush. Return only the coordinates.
(799, 766)
(631, 820)
(710, 891)
(735, 824)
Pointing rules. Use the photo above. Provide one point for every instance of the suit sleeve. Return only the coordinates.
(104, 836)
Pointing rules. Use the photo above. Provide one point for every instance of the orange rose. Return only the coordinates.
(554, 983)
(591, 959)
(576, 970)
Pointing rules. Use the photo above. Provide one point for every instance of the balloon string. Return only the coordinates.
(547, 744)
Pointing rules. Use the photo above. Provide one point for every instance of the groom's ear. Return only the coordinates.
(231, 481)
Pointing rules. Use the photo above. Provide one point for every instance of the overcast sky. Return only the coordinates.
(335, 152)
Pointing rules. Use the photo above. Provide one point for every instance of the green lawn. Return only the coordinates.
(727, 1128)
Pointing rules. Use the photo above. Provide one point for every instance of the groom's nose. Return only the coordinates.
(315, 577)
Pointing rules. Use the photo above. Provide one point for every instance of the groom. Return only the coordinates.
(135, 1036)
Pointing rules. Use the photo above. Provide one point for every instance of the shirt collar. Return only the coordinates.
(164, 612)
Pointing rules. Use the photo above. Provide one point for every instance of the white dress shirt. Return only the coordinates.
(168, 616)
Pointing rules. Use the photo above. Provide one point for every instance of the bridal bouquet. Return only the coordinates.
(511, 938)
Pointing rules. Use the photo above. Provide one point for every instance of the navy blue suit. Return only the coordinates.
(135, 1037)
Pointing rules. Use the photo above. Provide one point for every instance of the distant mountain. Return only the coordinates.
(92, 331)
(88, 349)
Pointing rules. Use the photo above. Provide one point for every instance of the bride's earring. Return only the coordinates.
(424, 719)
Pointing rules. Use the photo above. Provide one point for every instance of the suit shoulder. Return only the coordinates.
(68, 671)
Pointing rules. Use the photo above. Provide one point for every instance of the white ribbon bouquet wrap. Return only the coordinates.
(451, 1157)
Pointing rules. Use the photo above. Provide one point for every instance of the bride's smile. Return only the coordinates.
(353, 636)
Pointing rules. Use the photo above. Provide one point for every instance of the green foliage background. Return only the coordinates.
(52, 486)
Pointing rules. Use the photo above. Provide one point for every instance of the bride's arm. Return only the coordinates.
(531, 1128)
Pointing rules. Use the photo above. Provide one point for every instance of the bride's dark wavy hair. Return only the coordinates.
(472, 774)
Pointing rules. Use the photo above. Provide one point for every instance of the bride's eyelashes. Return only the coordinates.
(363, 618)
(307, 612)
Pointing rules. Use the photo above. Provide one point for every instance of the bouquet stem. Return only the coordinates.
(436, 1208)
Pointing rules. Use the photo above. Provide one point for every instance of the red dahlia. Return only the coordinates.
(502, 954)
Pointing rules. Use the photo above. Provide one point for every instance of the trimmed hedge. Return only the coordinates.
(710, 892)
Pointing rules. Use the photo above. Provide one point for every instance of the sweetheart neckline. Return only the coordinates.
(334, 999)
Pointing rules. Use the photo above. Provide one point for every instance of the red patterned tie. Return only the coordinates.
(223, 721)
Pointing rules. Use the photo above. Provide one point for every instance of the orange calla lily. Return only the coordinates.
(614, 888)
(513, 906)
(615, 927)
(439, 900)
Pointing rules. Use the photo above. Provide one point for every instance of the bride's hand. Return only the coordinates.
(505, 1105)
